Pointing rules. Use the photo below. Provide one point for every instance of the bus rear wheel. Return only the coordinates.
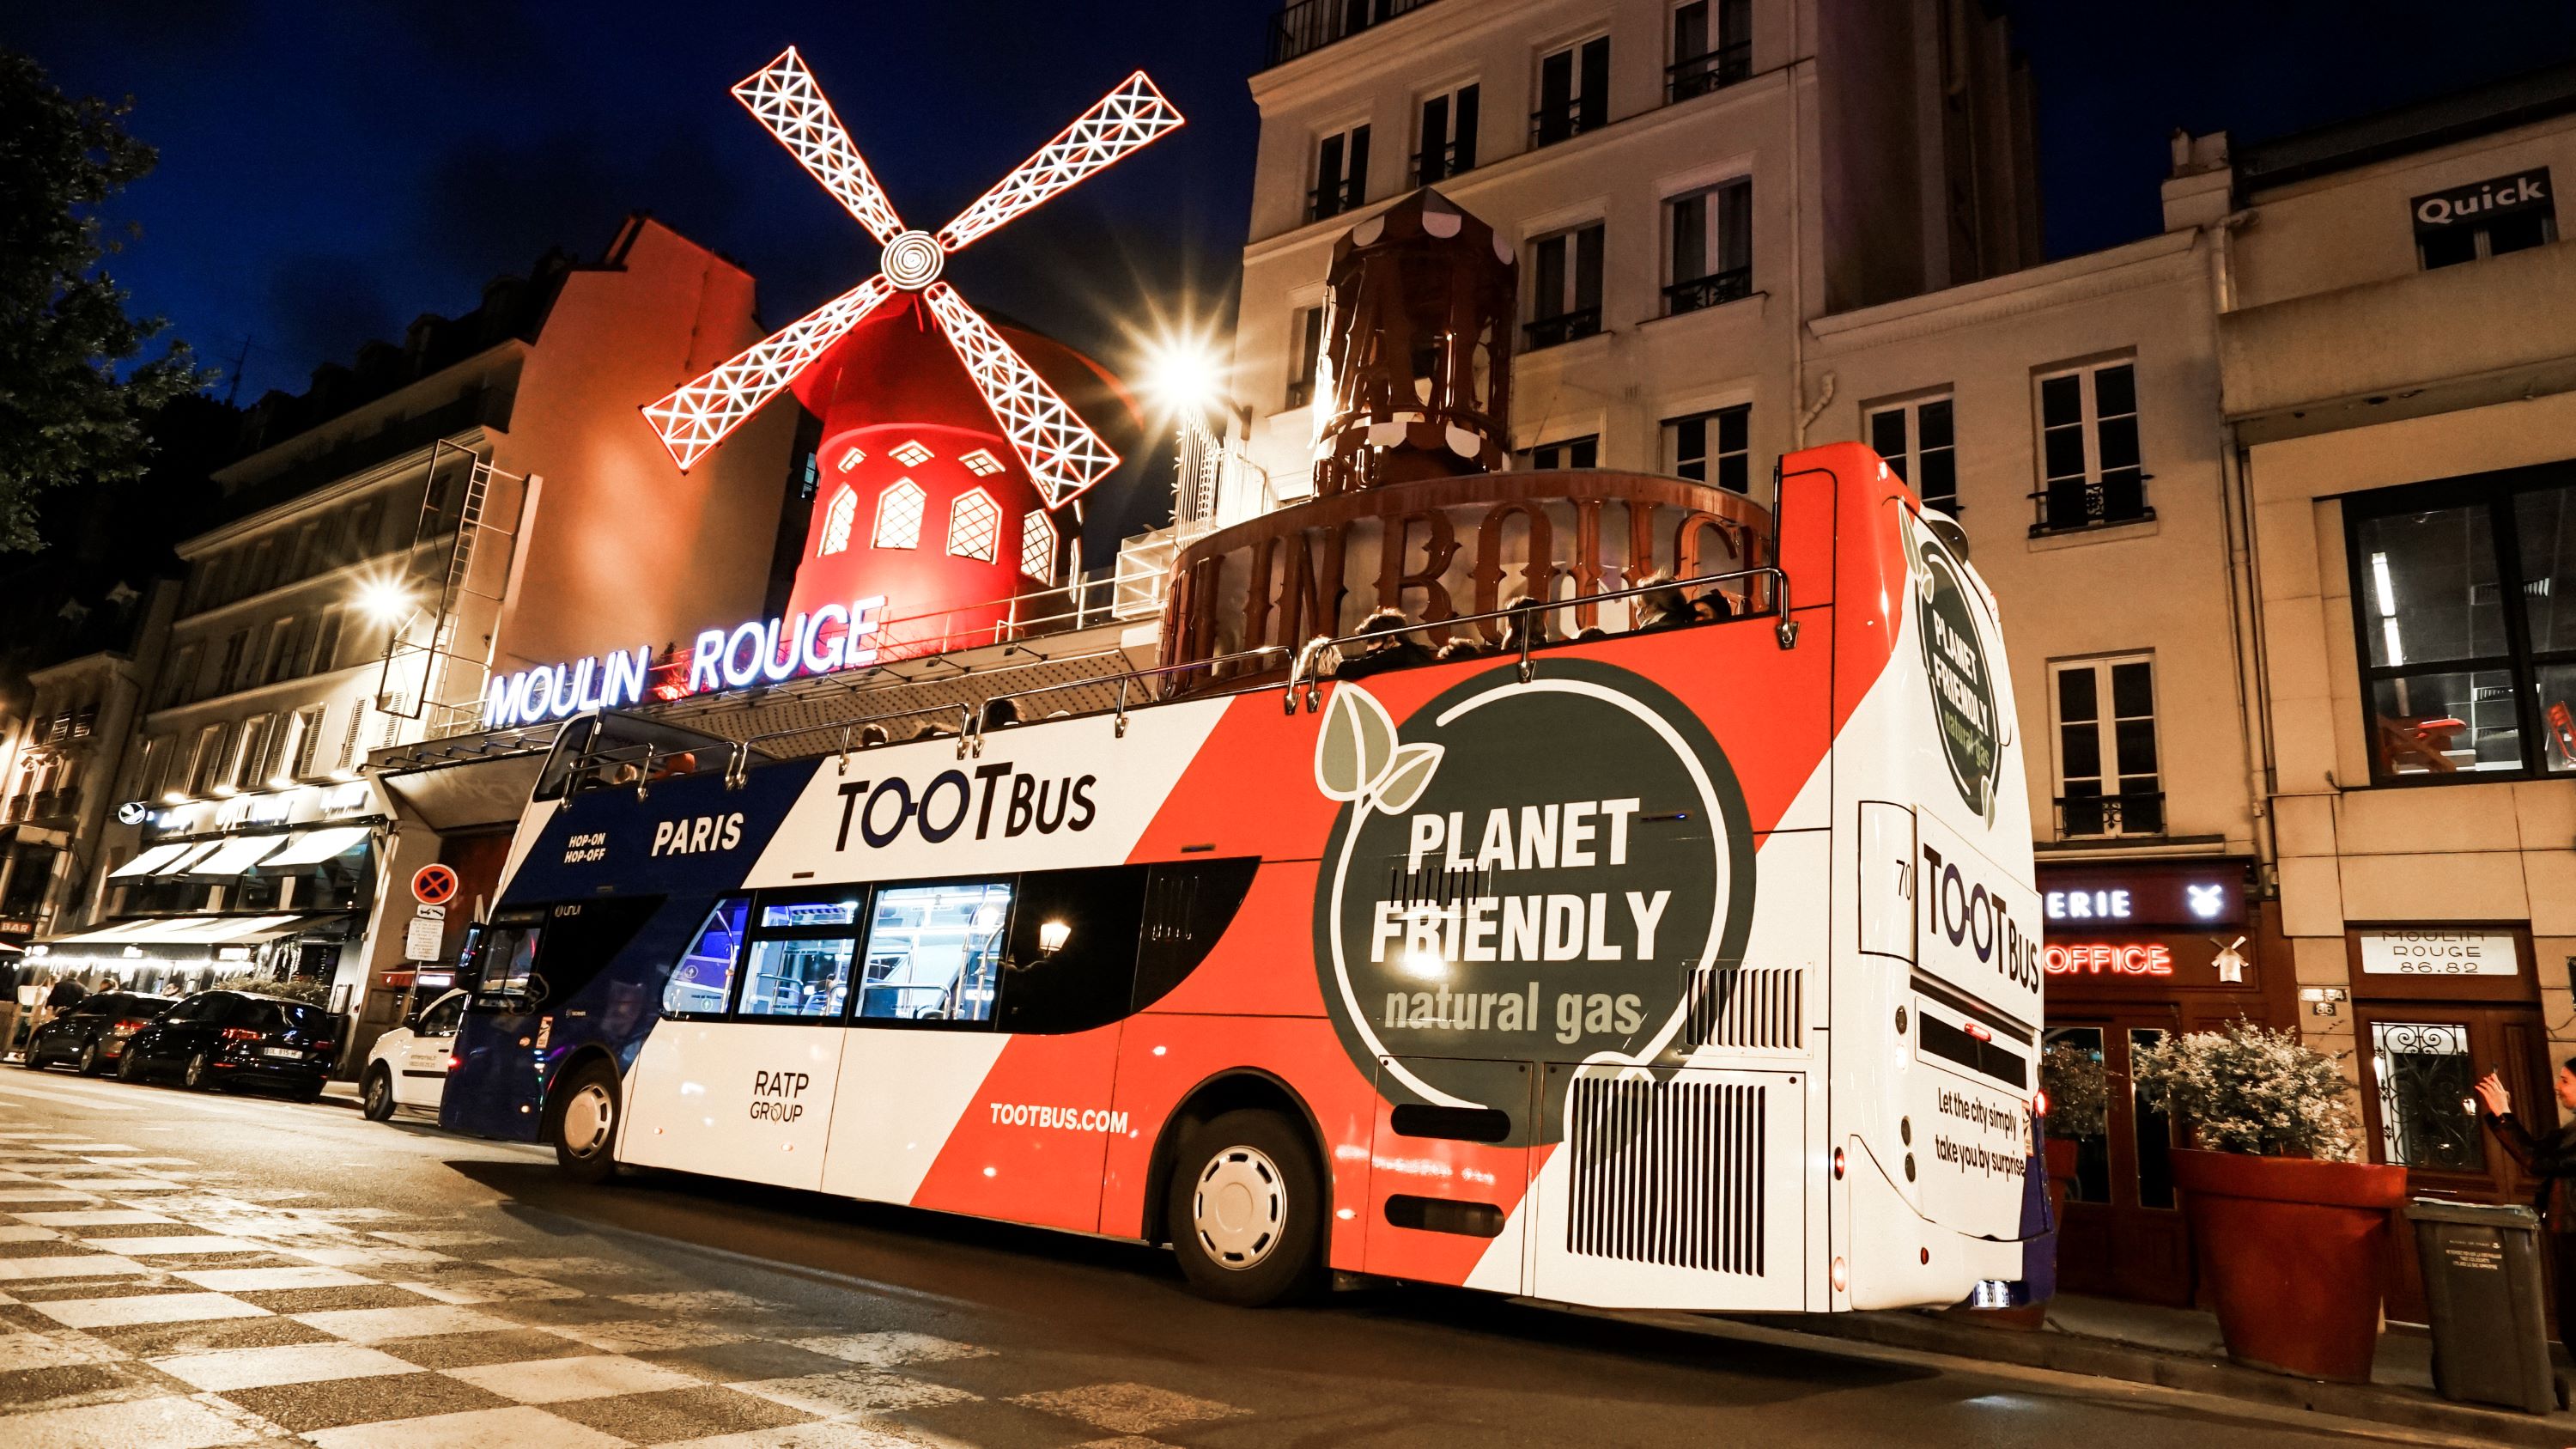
(582, 1122)
(1246, 1210)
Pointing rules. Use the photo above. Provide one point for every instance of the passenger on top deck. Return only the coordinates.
(1389, 648)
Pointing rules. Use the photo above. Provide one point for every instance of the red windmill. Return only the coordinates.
(1062, 455)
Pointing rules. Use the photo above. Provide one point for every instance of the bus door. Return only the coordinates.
(495, 1087)
(984, 1049)
(1447, 1179)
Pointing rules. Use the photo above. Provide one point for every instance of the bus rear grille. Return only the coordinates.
(1747, 1006)
(1668, 1173)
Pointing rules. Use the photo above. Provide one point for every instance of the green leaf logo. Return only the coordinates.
(1356, 745)
(1408, 777)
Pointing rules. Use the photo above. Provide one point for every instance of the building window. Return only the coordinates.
(245, 773)
(899, 511)
(1341, 174)
(1447, 139)
(1573, 92)
(1565, 287)
(2088, 449)
(180, 682)
(1705, 59)
(2464, 601)
(1711, 254)
(975, 526)
(155, 763)
(837, 520)
(910, 453)
(1307, 325)
(212, 754)
(228, 674)
(365, 531)
(2422, 1071)
(1915, 439)
(1037, 546)
(2108, 779)
(1582, 452)
(308, 739)
(981, 462)
(325, 654)
(850, 458)
(349, 739)
(2485, 219)
(279, 655)
(1713, 447)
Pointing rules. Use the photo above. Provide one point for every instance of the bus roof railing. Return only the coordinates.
(1305, 673)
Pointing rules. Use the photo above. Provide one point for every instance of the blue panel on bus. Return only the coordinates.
(686, 834)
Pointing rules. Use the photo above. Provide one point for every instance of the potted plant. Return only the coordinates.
(2291, 1228)
(2079, 1106)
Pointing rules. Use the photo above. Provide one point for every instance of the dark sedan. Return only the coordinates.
(91, 1037)
(233, 1038)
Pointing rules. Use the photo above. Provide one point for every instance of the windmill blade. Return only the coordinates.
(1126, 118)
(1063, 456)
(782, 96)
(697, 417)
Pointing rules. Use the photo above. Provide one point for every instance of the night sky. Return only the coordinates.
(328, 172)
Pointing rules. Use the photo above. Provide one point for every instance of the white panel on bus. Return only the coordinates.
(904, 1092)
(746, 1099)
(1887, 873)
(1040, 796)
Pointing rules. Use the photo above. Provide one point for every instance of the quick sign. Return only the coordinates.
(2098, 897)
(2104, 959)
(2483, 201)
(2438, 953)
(770, 651)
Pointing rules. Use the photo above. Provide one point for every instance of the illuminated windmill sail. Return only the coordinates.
(1063, 455)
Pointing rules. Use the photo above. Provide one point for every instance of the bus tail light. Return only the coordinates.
(454, 1061)
(2039, 1103)
(1838, 1164)
(1979, 1032)
(1842, 1277)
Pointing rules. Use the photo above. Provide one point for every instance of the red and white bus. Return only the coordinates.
(1691, 967)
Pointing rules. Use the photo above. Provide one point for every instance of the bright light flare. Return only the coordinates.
(384, 600)
(1184, 375)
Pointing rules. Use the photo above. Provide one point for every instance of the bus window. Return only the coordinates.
(1072, 962)
(933, 952)
(506, 958)
(1188, 905)
(703, 980)
(797, 978)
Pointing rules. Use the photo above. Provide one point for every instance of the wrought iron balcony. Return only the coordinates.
(1700, 74)
(1439, 163)
(1714, 290)
(1551, 124)
(1336, 197)
(1307, 26)
(2072, 505)
(1561, 328)
(2138, 812)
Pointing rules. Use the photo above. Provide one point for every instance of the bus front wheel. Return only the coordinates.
(582, 1120)
(1246, 1209)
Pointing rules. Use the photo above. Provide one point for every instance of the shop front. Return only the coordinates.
(2136, 951)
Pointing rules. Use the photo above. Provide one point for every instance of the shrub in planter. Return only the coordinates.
(2079, 1093)
(2289, 1226)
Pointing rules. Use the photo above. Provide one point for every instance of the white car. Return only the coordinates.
(408, 1065)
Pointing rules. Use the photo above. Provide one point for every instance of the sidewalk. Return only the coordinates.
(2180, 1348)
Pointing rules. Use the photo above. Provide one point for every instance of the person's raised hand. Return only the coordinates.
(2492, 1095)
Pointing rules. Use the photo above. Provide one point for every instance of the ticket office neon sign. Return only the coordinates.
(2099, 958)
(757, 651)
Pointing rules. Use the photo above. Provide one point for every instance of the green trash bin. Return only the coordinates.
(2482, 1282)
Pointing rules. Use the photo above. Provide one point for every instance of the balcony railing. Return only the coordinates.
(1714, 290)
(2095, 817)
(1335, 197)
(1439, 163)
(1308, 26)
(1700, 74)
(2071, 505)
(1562, 328)
(1551, 124)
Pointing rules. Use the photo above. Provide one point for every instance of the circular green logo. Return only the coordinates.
(1954, 668)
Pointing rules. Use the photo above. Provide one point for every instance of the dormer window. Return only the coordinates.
(899, 511)
(975, 526)
(837, 520)
(1037, 546)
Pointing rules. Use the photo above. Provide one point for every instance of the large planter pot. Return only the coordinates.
(2293, 1250)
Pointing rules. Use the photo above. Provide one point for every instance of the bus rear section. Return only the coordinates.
(1546, 975)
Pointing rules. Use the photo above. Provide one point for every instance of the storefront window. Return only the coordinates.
(2466, 632)
(2092, 1153)
(2153, 1133)
(2423, 1072)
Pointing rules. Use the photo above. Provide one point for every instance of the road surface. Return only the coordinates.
(179, 1269)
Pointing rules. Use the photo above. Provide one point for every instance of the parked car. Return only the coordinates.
(233, 1038)
(407, 1067)
(91, 1037)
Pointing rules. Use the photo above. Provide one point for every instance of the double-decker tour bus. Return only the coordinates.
(1691, 965)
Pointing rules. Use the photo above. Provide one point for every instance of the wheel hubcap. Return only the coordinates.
(1238, 1207)
(586, 1120)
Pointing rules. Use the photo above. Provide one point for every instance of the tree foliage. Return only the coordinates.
(73, 396)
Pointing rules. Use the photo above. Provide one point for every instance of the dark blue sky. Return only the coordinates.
(330, 171)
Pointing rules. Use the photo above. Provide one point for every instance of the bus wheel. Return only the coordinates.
(582, 1120)
(377, 1096)
(1246, 1210)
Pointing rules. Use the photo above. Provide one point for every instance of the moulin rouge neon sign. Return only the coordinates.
(757, 651)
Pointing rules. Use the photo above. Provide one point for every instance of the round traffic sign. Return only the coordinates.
(434, 885)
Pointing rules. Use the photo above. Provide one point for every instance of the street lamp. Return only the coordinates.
(384, 600)
(1183, 376)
